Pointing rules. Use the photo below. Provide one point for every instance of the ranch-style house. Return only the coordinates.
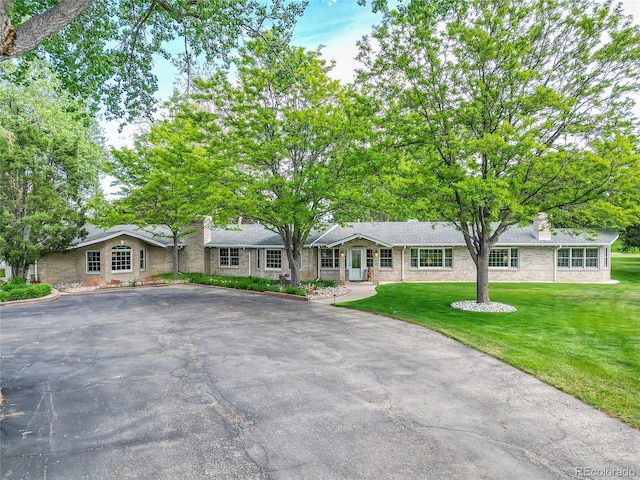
(377, 252)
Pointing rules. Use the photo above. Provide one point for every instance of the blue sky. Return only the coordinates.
(337, 25)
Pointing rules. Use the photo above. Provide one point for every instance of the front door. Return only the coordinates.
(356, 264)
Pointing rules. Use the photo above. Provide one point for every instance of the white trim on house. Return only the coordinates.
(94, 262)
(118, 234)
(356, 236)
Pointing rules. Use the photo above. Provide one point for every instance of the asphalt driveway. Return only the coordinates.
(186, 382)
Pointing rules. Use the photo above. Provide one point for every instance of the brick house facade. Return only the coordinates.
(362, 251)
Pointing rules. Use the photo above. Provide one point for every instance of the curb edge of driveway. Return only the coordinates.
(53, 296)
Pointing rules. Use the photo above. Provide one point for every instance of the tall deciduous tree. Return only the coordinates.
(170, 178)
(103, 50)
(290, 129)
(50, 159)
(502, 109)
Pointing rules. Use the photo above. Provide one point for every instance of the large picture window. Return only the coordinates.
(273, 259)
(229, 257)
(121, 259)
(330, 258)
(577, 258)
(431, 257)
(93, 261)
(503, 257)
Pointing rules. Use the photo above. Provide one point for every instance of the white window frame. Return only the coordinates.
(143, 260)
(271, 256)
(386, 255)
(606, 257)
(563, 255)
(428, 254)
(121, 255)
(369, 257)
(578, 258)
(94, 262)
(506, 257)
(229, 257)
(329, 258)
(591, 257)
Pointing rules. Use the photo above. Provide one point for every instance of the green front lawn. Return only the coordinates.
(583, 339)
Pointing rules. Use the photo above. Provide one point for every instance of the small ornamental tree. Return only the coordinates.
(497, 110)
(170, 178)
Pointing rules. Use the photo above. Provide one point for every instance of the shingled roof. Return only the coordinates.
(158, 236)
(389, 234)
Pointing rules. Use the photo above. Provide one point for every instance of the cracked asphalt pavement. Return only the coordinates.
(186, 382)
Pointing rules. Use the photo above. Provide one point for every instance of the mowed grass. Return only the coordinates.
(582, 339)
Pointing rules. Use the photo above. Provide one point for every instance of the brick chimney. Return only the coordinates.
(193, 258)
(541, 227)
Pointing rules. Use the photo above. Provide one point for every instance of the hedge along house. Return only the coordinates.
(414, 251)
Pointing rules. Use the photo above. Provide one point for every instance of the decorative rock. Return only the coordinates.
(328, 292)
(491, 307)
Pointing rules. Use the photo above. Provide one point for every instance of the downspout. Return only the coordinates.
(402, 274)
(555, 264)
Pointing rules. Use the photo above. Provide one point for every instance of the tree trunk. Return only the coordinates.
(24, 38)
(175, 257)
(19, 269)
(294, 265)
(482, 274)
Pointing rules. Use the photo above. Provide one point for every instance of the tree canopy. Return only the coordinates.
(105, 50)
(171, 177)
(290, 128)
(497, 110)
(50, 158)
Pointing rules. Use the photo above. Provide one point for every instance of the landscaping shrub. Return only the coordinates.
(15, 281)
(253, 284)
(296, 291)
(320, 283)
(17, 289)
